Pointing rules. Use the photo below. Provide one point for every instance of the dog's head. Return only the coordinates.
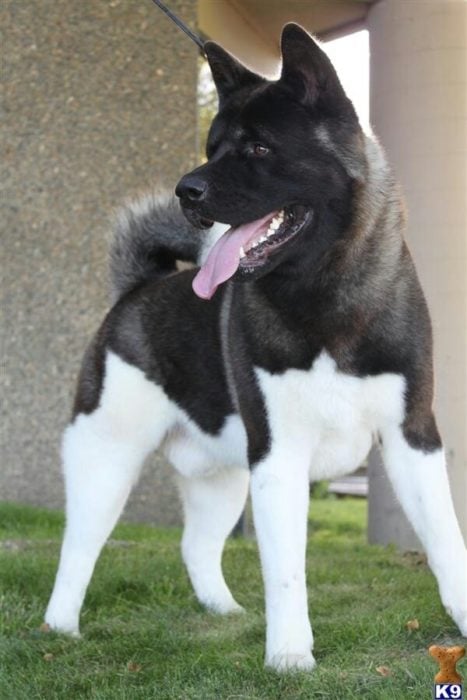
(282, 156)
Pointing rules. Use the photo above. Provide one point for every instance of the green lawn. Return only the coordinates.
(145, 636)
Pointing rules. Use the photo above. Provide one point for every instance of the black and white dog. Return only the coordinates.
(316, 342)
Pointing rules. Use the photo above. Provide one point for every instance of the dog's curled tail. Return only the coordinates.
(150, 235)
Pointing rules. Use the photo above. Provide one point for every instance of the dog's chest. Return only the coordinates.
(321, 415)
(329, 415)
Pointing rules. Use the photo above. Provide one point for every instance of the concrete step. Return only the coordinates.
(350, 486)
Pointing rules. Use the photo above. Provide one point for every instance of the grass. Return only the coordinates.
(145, 636)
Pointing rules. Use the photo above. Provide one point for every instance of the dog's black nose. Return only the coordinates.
(192, 187)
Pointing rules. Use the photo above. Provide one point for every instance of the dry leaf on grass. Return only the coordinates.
(415, 558)
(134, 667)
(383, 670)
(413, 625)
(48, 657)
(44, 627)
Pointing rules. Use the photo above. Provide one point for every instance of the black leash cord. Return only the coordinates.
(198, 41)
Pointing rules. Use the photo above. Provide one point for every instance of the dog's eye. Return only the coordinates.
(260, 150)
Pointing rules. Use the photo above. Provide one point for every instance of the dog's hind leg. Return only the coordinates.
(420, 481)
(102, 454)
(212, 506)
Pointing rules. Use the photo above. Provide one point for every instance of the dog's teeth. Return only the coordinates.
(263, 239)
(271, 231)
(242, 253)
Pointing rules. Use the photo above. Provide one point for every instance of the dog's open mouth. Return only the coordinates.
(248, 247)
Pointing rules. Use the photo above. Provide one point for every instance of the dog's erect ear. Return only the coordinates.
(306, 69)
(228, 74)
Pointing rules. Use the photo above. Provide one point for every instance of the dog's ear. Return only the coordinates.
(228, 74)
(307, 70)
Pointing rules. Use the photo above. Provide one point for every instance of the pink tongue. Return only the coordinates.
(224, 257)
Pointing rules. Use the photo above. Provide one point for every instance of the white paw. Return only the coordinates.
(224, 607)
(291, 662)
(59, 623)
(63, 629)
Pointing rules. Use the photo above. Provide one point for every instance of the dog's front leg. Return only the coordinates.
(421, 483)
(280, 496)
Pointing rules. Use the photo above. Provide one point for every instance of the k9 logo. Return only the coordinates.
(448, 690)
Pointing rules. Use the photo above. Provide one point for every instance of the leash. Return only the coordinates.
(181, 25)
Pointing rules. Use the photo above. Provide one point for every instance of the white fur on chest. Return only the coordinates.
(322, 413)
(328, 415)
(331, 415)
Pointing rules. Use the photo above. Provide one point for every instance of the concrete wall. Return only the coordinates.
(100, 103)
(419, 111)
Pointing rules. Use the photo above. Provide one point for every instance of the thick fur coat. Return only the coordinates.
(302, 337)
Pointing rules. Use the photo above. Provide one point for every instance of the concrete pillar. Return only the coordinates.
(100, 104)
(418, 108)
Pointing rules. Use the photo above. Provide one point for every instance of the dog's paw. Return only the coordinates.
(64, 629)
(224, 607)
(284, 663)
(54, 623)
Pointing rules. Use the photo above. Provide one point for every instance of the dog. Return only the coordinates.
(301, 338)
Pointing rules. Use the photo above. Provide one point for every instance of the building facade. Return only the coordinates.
(101, 104)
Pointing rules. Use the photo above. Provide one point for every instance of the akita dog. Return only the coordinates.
(303, 336)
